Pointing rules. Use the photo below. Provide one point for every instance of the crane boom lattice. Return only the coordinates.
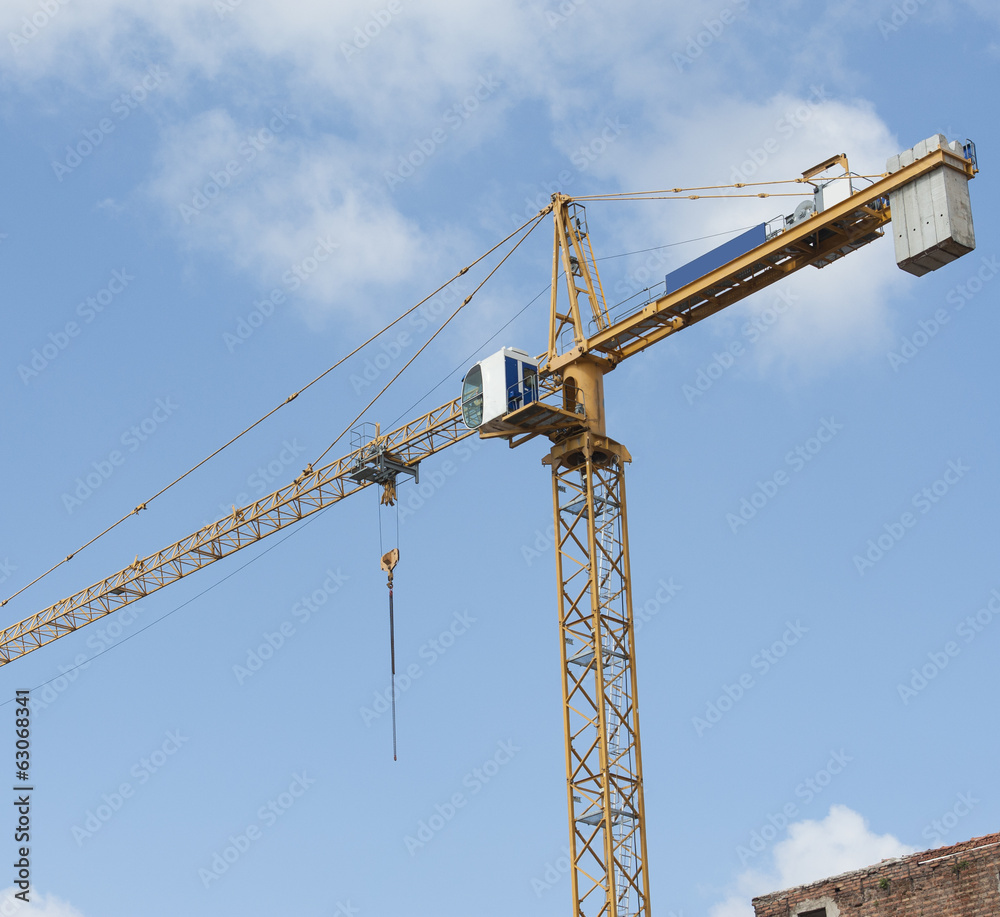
(309, 493)
(600, 704)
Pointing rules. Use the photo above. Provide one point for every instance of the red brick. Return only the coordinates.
(958, 881)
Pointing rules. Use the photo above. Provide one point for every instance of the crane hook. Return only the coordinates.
(389, 561)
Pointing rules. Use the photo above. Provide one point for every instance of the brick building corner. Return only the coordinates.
(962, 880)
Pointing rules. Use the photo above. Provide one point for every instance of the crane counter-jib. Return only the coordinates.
(925, 195)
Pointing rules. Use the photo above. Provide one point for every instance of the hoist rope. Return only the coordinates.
(696, 197)
(656, 248)
(392, 662)
(654, 195)
(392, 624)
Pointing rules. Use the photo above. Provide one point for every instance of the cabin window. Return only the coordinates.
(472, 398)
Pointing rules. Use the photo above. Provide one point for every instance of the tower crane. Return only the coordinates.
(560, 395)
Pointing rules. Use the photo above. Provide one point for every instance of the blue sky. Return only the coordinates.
(209, 203)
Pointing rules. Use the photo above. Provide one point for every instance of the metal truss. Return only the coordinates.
(603, 760)
(309, 493)
(823, 238)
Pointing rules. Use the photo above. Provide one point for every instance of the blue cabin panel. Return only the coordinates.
(717, 257)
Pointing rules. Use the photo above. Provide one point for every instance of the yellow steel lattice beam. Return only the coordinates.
(825, 237)
(600, 707)
(309, 493)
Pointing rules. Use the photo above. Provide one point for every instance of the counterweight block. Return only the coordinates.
(932, 215)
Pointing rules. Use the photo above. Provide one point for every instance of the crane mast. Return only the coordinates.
(562, 398)
(607, 822)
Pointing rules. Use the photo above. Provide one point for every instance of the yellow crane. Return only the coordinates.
(560, 395)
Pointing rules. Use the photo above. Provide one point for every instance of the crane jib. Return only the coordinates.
(409, 444)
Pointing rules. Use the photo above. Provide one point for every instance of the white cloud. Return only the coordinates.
(298, 189)
(813, 850)
(364, 88)
(271, 205)
(366, 85)
(407, 62)
(39, 906)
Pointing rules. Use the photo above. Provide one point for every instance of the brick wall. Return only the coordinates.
(958, 881)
